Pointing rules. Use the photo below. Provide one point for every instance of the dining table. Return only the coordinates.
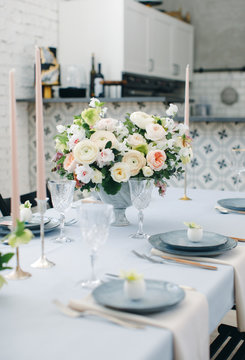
(32, 327)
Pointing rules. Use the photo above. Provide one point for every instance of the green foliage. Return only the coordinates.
(4, 259)
(108, 145)
(62, 138)
(110, 186)
(129, 125)
(61, 160)
(169, 136)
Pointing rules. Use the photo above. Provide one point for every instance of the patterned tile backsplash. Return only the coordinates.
(211, 166)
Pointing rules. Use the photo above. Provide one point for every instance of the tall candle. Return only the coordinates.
(15, 196)
(187, 114)
(41, 180)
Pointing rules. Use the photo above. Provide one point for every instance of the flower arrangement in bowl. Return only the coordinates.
(194, 231)
(103, 152)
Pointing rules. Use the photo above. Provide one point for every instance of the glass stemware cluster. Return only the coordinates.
(140, 192)
(62, 196)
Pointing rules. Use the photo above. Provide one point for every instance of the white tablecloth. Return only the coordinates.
(31, 327)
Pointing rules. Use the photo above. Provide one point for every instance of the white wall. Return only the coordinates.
(23, 24)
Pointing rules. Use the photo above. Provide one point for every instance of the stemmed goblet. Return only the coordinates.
(140, 192)
(95, 220)
(62, 196)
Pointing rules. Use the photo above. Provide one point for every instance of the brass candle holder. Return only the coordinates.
(185, 197)
(42, 262)
(18, 273)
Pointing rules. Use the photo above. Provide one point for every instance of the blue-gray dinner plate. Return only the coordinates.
(156, 242)
(236, 204)
(159, 296)
(49, 226)
(33, 224)
(178, 240)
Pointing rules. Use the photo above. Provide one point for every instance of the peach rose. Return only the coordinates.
(70, 163)
(156, 159)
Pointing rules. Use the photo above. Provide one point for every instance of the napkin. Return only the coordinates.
(235, 258)
(188, 321)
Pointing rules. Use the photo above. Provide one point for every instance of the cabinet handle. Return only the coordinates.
(151, 65)
(176, 69)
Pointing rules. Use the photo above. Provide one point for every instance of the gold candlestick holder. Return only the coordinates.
(42, 262)
(185, 197)
(18, 273)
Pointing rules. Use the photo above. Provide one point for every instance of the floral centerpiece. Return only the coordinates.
(98, 151)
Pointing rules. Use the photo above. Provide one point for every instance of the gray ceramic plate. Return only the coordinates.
(51, 225)
(178, 239)
(156, 242)
(237, 204)
(159, 296)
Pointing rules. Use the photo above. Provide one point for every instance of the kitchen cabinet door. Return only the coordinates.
(182, 50)
(136, 38)
(160, 45)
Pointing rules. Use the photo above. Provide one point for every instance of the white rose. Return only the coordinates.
(60, 128)
(155, 132)
(108, 124)
(85, 152)
(147, 171)
(135, 160)
(105, 157)
(172, 110)
(84, 173)
(93, 101)
(141, 119)
(97, 177)
(101, 137)
(136, 139)
(120, 172)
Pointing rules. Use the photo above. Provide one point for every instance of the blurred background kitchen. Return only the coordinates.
(143, 50)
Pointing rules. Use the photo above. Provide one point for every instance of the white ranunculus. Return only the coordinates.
(101, 137)
(135, 160)
(136, 139)
(141, 119)
(172, 110)
(60, 128)
(85, 152)
(155, 132)
(105, 157)
(120, 172)
(84, 173)
(147, 171)
(108, 124)
(93, 101)
(97, 177)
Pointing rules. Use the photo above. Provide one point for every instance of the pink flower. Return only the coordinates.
(69, 163)
(105, 157)
(156, 159)
(162, 186)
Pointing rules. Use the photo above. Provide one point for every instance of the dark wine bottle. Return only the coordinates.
(92, 76)
(99, 89)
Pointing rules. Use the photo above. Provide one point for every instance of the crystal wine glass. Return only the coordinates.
(238, 165)
(95, 220)
(140, 192)
(62, 196)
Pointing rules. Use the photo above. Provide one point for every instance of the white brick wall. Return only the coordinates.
(23, 24)
(207, 88)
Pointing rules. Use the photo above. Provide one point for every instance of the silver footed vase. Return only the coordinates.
(120, 202)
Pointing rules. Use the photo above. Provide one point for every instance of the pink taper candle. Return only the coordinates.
(15, 196)
(186, 118)
(41, 180)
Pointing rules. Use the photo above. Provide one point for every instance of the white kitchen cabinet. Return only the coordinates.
(126, 37)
